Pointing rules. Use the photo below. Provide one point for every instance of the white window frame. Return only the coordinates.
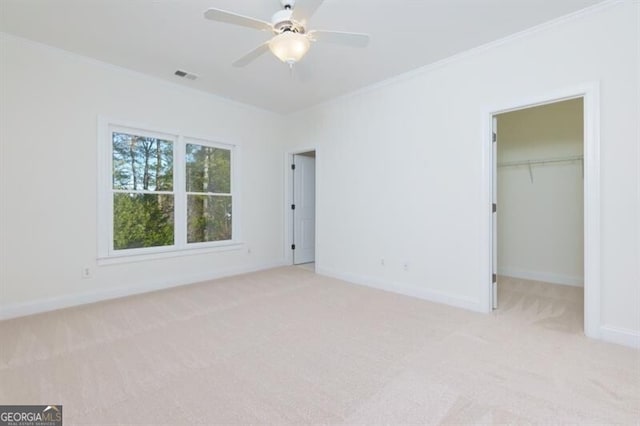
(183, 157)
(106, 252)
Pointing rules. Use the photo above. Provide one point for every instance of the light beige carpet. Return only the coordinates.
(288, 346)
(311, 266)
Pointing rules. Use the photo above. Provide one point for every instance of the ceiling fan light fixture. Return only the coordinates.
(289, 46)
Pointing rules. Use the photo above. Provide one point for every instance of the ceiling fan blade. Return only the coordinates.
(251, 56)
(235, 19)
(303, 10)
(337, 37)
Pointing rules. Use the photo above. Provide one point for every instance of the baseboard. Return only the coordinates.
(620, 336)
(68, 301)
(405, 289)
(542, 276)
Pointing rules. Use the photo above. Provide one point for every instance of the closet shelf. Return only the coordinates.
(542, 161)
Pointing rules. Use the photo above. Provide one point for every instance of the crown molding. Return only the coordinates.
(409, 75)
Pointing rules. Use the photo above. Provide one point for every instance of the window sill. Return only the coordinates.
(130, 258)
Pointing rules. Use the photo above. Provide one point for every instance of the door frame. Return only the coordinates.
(288, 200)
(590, 93)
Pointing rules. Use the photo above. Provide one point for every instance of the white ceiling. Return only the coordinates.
(157, 37)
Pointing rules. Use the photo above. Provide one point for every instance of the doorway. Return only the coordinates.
(590, 168)
(539, 230)
(303, 208)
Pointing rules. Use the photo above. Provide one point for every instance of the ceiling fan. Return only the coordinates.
(291, 39)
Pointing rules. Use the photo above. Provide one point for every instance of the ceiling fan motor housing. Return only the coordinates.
(282, 21)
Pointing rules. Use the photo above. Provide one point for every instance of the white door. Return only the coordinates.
(304, 209)
(494, 254)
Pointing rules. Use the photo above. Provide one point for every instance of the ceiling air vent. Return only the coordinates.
(185, 74)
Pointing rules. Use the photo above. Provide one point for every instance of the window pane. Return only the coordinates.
(142, 163)
(208, 169)
(142, 220)
(208, 218)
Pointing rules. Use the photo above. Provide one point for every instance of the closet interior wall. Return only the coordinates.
(540, 193)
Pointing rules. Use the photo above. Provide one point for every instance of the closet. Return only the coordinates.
(540, 193)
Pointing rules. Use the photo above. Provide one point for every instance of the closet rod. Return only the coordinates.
(541, 161)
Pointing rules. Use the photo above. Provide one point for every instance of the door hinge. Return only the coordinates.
(293, 246)
(293, 167)
(494, 278)
(494, 207)
(494, 137)
(293, 206)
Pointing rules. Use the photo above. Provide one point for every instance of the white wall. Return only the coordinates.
(400, 165)
(50, 101)
(540, 220)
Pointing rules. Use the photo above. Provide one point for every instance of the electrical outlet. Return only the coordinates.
(405, 266)
(381, 262)
(86, 272)
(248, 250)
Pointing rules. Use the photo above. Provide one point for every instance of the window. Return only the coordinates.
(143, 197)
(209, 198)
(163, 192)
